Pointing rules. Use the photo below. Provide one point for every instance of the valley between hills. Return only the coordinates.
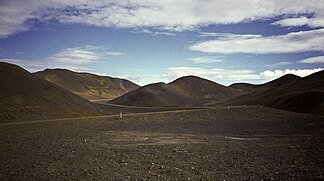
(62, 125)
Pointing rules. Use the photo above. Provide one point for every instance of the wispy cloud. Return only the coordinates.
(319, 59)
(278, 64)
(155, 32)
(294, 42)
(76, 56)
(77, 59)
(114, 53)
(205, 59)
(177, 15)
(228, 35)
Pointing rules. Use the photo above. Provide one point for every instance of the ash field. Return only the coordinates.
(216, 138)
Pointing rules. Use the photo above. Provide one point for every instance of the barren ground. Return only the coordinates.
(242, 143)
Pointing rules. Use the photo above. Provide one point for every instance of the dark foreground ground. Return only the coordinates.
(250, 143)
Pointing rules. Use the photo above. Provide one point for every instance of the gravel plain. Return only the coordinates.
(240, 143)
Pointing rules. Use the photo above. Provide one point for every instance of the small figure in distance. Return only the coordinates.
(119, 116)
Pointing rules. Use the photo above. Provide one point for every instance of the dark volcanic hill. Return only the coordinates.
(27, 96)
(185, 91)
(289, 92)
(282, 81)
(89, 86)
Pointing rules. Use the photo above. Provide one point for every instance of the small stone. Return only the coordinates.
(305, 170)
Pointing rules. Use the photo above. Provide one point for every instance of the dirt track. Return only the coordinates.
(251, 143)
(98, 117)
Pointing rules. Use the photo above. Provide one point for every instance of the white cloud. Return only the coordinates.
(314, 22)
(294, 42)
(229, 76)
(219, 75)
(13, 17)
(223, 76)
(75, 59)
(300, 21)
(14, 14)
(269, 75)
(167, 15)
(319, 59)
(205, 59)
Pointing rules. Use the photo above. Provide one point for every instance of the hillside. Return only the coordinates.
(281, 81)
(289, 92)
(185, 91)
(26, 96)
(88, 86)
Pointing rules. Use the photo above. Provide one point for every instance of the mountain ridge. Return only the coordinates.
(283, 80)
(87, 85)
(305, 95)
(184, 91)
(24, 95)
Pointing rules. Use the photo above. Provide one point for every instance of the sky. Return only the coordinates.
(148, 41)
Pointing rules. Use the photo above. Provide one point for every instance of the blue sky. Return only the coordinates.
(149, 41)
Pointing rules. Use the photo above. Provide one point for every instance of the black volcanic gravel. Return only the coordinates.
(252, 143)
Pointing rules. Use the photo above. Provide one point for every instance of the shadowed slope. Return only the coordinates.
(203, 88)
(244, 87)
(281, 81)
(26, 96)
(87, 85)
(155, 95)
(289, 93)
(185, 91)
